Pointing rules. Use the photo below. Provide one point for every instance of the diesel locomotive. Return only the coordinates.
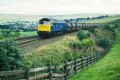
(49, 27)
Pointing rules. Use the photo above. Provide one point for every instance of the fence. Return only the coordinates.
(49, 72)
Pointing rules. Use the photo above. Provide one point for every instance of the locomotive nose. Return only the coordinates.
(44, 28)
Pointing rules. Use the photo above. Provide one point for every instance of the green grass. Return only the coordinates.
(107, 68)
(2, 30)
(103, 20)
(52, 50)
(22, 34)
(29, 33)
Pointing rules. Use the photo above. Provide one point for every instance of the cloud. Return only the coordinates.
(49, 7)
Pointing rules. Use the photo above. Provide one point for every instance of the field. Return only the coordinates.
(104, 20)
(105, 69)
(29, 33)
(4, 18)
(22, 33)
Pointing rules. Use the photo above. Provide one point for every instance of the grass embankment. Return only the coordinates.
(55, 50)
(103, 20)
(107, 68)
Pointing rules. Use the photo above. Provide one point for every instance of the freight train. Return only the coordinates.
(49, 27)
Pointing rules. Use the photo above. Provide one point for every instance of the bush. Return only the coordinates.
(68, 56)
(88, 42)
(73, 45)
(116, 26)
(10, 33)
(103, 42)
(81, 46)
(10, 58)
(92, 30)
(108, 27)
(82, 35)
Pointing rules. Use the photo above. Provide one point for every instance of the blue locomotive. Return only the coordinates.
(50, 27)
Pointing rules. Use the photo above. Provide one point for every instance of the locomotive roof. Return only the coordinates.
(51, 19)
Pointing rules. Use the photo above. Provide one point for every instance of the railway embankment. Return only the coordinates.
(107, 68)
(59, 49)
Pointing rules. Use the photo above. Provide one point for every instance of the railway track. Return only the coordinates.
(25, 41)
(21, 42)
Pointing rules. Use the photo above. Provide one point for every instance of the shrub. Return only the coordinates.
(103, 42)
(108, 27)
(81, 46)
(10, 33)
(92, 30)
(116, 26)
(68, 56)
(10, 58)
(73, 45)
(82, 35)
(88, 42)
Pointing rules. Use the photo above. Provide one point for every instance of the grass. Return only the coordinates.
(29, 33)
(103, 20)
(107, 68)
(22, 34)
(53, 50)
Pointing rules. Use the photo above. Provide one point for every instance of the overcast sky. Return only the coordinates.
(59, 7)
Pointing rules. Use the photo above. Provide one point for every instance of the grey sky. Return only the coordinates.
(59, 7)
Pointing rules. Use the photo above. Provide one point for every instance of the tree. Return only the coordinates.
(10, 58)
(103, 42)
(82, 34)
(10, 33)
(87, 44)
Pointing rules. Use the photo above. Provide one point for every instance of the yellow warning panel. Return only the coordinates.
(43, 27)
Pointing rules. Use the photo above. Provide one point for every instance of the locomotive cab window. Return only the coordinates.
(44, 22)
(41, 22)
(47, 22)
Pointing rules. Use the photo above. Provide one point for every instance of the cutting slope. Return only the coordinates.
(106, 69)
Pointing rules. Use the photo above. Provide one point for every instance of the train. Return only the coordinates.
(49, 27)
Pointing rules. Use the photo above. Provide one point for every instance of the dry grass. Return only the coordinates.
(53, 51)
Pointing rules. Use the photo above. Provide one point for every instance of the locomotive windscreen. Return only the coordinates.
(44, 21)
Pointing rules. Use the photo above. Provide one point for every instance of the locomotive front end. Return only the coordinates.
(44, 27)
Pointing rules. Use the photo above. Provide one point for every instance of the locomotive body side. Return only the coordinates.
(58, 26)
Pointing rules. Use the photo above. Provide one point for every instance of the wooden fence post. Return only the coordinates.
(75, 65)
(50, 71)
(27, 74)
(65, 70)
(82, 63)
(99, 55)
(87, 61)
(90, 59)
(94, 57)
